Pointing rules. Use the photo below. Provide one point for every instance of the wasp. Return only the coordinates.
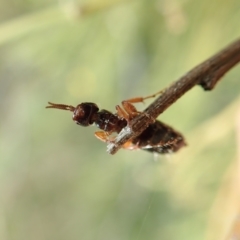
(158, 137)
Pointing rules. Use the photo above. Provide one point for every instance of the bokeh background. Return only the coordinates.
(57, 181)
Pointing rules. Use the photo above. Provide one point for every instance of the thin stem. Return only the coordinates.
(206, 74)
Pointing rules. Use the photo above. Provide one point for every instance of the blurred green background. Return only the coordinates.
(57, 181)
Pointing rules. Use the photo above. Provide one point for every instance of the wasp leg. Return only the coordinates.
(141, 99)
(130, 109)
(104, 136)
(121, 113)
(130, 146)
(152, 96)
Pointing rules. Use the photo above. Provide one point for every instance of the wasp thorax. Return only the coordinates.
(84, 114)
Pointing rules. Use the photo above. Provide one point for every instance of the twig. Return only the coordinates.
(206, 74)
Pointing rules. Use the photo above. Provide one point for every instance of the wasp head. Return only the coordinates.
(83, 114)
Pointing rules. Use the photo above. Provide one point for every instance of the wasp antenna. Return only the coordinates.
(61, 106)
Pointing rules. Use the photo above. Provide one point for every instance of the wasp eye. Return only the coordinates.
(78, 113)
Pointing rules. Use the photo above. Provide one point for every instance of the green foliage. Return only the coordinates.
(57, 181)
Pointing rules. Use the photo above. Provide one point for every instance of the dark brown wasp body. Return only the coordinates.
(157, 137)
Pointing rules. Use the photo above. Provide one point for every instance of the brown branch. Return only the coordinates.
(206, 74)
